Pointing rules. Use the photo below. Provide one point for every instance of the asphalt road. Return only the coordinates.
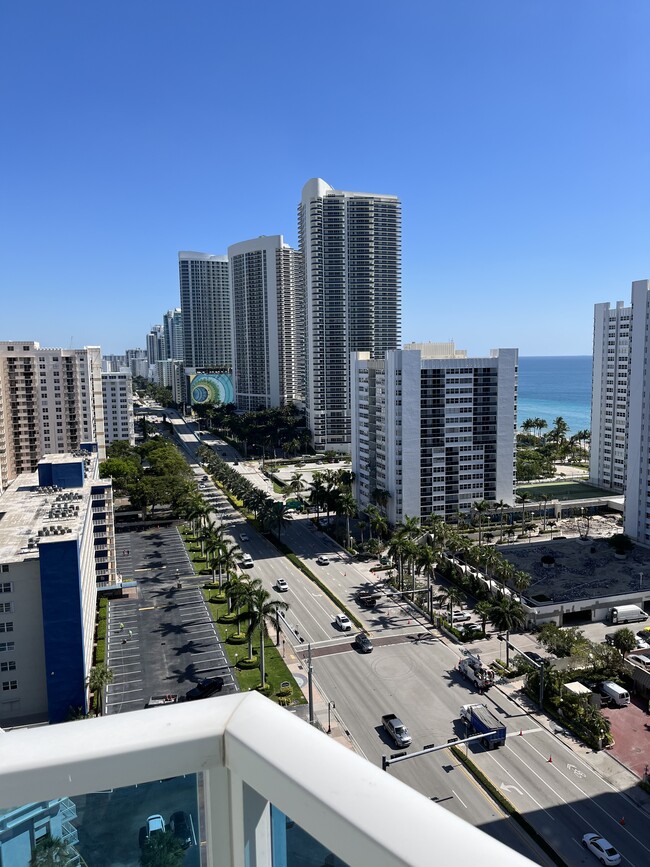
(563, 798)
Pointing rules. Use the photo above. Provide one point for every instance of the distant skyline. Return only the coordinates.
(514, 133)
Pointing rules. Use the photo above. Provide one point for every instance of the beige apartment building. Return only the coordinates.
(50, 403)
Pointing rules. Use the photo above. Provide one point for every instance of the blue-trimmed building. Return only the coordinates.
(57, 545)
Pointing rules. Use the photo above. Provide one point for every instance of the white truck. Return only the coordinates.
(473, 669)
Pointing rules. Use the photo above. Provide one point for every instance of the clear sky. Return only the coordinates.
(515, 132)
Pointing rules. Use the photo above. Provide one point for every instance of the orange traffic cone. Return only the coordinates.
(622, 820)
(520, 733)
(550, 759)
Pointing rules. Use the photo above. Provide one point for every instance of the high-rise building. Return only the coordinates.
(155, 344)
(58, 544)
(50, 402)
(637, 493)
(205, 310)
(609, 395)
(170, 373)
(117, 392)
(268, 324)
(433, 434)
(173, 334)
(351, 244)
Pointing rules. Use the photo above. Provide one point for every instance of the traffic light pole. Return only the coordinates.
(386, 761)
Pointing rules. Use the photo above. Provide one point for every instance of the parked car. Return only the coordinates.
(641, 643)
(281, 585)
(460, 616)
(155, 825)
(205, 688)
(323, 560)
(535, 657)
(243, 537)
(343, 622)
(601, 848)
(180, 826)
(363, 643)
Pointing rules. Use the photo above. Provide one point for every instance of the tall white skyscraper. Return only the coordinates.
(205, 310)
(50, 402)
(433, 434)
(173, 334)
(637, 493)
(268, 323)
(351, 243)
(155, 344)
(609, 395)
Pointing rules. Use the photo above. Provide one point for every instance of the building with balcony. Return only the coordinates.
(637, 466)
(173, 333)
(118, 407)
(268, 323)
(272, 791)
(50, 403)
(609, 395)
(205, 310)
(433, 434)
(351, 245)
(57, 545)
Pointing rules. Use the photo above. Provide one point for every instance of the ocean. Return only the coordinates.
(555, 385)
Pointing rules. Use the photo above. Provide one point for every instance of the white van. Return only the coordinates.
(627, 614)
(620, 696)
(247, 561)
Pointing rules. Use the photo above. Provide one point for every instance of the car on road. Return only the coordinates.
(460, 616)
(639, 660)
(179, 824)
(205, 688)
(323, 560)
(281, 585)
(243, 537)
(155, 825)
(535, 657)
(343, 622)
(363, 643)
(601, 848)
(247, 561)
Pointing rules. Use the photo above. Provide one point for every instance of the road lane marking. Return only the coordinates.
(459, 798)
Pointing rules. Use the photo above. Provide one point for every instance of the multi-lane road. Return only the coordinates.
(561, 794)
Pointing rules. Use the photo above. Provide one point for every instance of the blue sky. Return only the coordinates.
(515, 132)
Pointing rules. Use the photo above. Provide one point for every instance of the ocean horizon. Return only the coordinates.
(555, 385)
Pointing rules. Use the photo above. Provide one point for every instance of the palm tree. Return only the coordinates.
(521, 582)
(98, 679)
(347, 506)
(261, 606)
(378, 522)
(560, 429)
(398, 550)
(51, 852)
(481, 508)
(483, 608)
(501, 506)
(317, 494)
(295, 484)
(450, 597)
(162, 850)
(523, 499)
(544, 499)
(506, 615)
(228, 558)
(381, 497)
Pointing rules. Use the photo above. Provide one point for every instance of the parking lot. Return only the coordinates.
(160, 638)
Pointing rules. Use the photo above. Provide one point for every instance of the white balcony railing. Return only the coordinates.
(252, 754)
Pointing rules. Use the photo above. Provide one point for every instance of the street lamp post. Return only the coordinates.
(330, 705)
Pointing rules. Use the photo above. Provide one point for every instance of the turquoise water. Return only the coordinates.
(555, 385)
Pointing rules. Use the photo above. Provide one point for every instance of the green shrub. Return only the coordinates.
(228, 618)
(237, 638)
(248, 663)
(285, 701)
(101, 629)
(287, 690)
(103, 604)
(100, 652)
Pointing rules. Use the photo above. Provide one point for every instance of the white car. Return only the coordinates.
(243, 537)
(155, 825)
(460, 616)
(642, 643)
(639, 660)
(601, 848)
(281, 585)
(322, 560)
(343, 622)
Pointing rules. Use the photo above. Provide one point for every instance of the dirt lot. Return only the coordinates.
(631, 731)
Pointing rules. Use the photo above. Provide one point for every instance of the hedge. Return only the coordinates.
(101, 629)
(100, 652)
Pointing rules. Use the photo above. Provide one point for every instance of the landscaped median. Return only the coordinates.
(499, 797)
(232, 631)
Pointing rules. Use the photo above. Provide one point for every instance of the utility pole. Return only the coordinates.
(310, 684)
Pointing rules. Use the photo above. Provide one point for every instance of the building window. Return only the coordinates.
(6, 607)
(4, 567)
(8, 666)
(9, 684)
(7, 626)
(7, 646)
(6, 586)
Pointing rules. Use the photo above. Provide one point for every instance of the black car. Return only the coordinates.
(363, 643)
(180, 826)
(535, 657)
(205, 688)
